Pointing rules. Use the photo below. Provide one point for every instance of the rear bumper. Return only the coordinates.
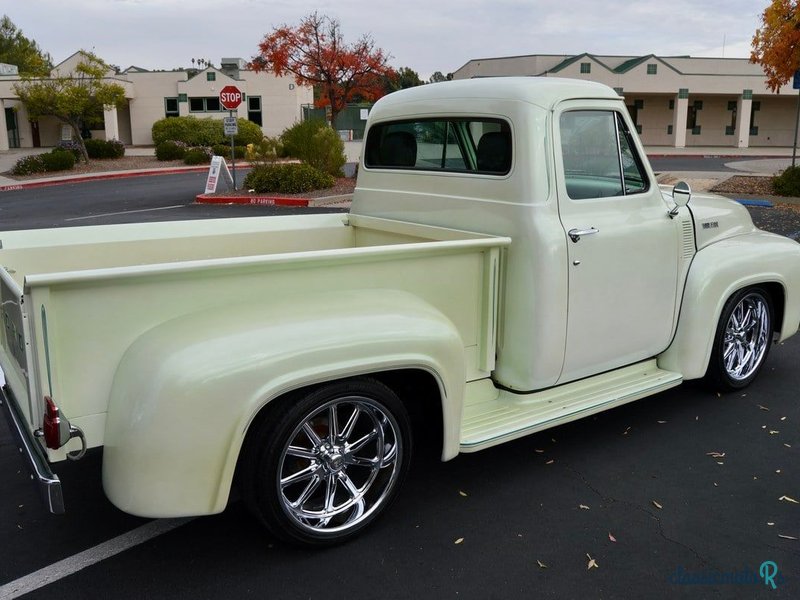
(46, 481)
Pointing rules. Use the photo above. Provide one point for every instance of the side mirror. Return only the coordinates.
(681, 194)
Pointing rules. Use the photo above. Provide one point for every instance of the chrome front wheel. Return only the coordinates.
(744, 336)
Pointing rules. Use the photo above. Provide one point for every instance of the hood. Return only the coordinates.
(716, 218)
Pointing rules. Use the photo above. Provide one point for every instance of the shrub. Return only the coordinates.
(73, 147)
(58, 160)
(203, 132)
(268, 150)
(28, 165)
(170, 150)
(104, 149)
(287, 179)
(198, 156)
(317, 144)
(788, 182)
(223, 150)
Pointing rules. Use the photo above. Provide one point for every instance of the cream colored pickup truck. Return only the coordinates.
(509, 264)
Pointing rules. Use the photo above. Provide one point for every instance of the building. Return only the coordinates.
(274, 103)
(674, 100)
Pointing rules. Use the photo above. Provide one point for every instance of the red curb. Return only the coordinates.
(22, 185)
(258, 200)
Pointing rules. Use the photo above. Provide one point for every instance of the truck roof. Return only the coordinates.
(542, 91)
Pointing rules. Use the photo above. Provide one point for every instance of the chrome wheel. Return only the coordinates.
(747, 336)
(340, 465)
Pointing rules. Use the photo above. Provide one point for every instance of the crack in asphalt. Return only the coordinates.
(609, 499)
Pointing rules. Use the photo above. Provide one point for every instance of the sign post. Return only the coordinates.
(230, 97)
(796, 85)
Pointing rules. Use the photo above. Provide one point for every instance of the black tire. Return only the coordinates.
(742, 341)
(316, 485)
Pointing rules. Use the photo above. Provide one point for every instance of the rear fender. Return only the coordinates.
(186, 391)
(716, 273)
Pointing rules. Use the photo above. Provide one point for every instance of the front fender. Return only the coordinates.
(716, 273)
(186, 391)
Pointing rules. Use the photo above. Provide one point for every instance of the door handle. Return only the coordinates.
(575, 234)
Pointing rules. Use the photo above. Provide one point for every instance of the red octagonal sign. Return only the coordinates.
(230, 97)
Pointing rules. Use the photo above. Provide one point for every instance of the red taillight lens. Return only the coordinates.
(52, 424)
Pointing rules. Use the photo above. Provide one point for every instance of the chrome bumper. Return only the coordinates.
(46, 481)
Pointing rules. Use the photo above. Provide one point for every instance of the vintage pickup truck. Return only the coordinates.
(509, 264)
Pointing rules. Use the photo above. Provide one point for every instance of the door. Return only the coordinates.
(622, 245)
(12, 129)
(37, 142)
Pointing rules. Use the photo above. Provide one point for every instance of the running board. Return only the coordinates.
(493, 416)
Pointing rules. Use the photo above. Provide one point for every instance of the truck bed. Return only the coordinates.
(81, 296)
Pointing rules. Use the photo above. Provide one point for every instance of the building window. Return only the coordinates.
(210, 76)
(210, 104)
(733, 107)
(171, 107)
(672, 104)
(618, 91)
(756, 106)
(254, 110)
(586, 67)
(652, 69)
(669, 129)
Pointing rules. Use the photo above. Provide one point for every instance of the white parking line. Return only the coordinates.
(125, 212)
(87, 558)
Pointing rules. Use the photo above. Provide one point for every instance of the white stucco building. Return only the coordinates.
(272, 102)
(674, 100)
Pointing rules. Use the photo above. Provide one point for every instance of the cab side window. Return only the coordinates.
(599, 156)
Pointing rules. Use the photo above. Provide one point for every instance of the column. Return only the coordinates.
(111, 123)
(3, 128)
(744, 109)
(679, 118)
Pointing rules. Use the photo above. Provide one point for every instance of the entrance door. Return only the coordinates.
(622, 245)
(37, 142)
(11, 127)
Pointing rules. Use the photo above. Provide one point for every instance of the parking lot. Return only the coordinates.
(687, 493)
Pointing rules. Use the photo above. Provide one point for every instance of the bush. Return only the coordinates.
(197, 156)
(315, 143)
(104, 149)
(28, 165)
(788, 182)
(170, 150)
(287, 179)
(203, 132)
(223, 150)
(267, 150)
(73, 147)
(58, 160)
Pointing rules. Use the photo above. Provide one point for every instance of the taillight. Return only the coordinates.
(52, 424)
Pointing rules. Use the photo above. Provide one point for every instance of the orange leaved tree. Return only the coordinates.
(315, 53)
(776, 44)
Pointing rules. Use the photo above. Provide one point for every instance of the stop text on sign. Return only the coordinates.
(230, 97)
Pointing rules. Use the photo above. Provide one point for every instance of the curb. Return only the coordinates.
(95, 177)
(255, 200)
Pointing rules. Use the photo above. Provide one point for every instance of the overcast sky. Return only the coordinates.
(425, 35)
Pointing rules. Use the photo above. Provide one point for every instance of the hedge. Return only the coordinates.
(203, 132)
(287, 179)
(316, 143)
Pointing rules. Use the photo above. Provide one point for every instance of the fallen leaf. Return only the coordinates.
(773, 431)
(762, 407)
(460, 493)
(763, 427)
(783, 418)
(553, 440)
(719, 395)
(770, 524)
(720, 463)
(459, 540)
(539, 451)
(657, 505)
(697, 418)
(583, 506)
(541, 564)
(627, 429)
(715, 485)
(550, 462)
(662, 422)
(592, 563)
(777, 470)
(787, 537)
(611, 537)
(787, 445)
(787, 499)
(716, 454)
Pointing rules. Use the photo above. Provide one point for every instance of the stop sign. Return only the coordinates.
(230, 97)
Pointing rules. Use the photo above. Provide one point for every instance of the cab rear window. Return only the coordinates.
(457, 145)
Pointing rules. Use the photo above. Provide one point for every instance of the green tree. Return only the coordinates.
(404, 77)
(75, 98)
(16, 49)
(439, 76)
(776, 44)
